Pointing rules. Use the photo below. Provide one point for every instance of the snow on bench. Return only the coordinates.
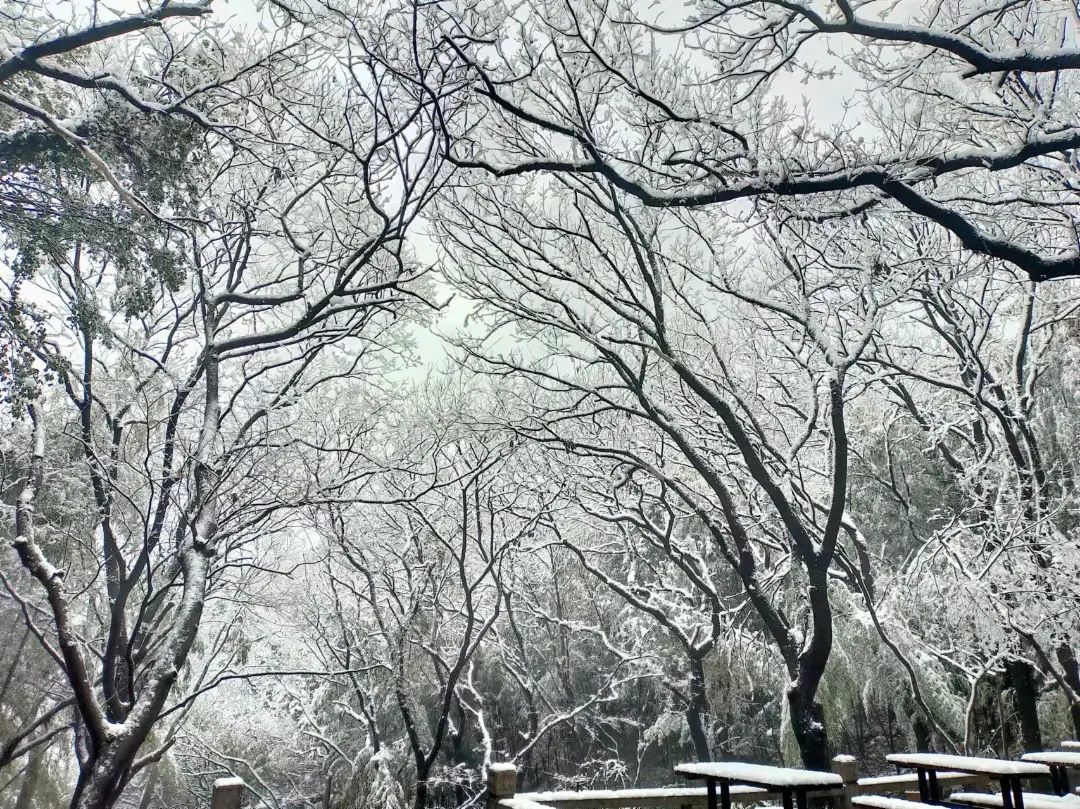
(760, 775)
(1032, 800)
(521, 803)
(881, 802)
(1055, 758)
(907, 780)
(972, 764)
(658, 798)
(620, 794)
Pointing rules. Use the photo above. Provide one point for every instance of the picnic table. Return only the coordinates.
(1070, 744)
(1059, 763)
(792, 784)
(1007, 773)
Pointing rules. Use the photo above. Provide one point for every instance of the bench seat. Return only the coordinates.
(1032, 800)
(881, 802)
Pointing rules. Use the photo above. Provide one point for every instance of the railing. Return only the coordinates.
(503, 794)
(503, 782)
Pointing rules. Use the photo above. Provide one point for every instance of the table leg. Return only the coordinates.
(1006, 794)
(932, 787)
(1018, 794)
(786, 794)
(710, 788)
(924, 789)
(1059, 778)
(725, 795)
(800, 798)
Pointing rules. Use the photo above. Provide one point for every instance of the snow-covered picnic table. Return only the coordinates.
(1007, 773)
(1059, 763)
(1070, 744)
(793, 785)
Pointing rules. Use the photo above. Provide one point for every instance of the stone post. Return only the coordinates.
(847, 768)
(501, 783)
(228, 793)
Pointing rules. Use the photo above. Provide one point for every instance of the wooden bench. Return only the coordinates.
(1032, 800)
(882, 802)
(655, 798)
(520, 803)
(907, 782)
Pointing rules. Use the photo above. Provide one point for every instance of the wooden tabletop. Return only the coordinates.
(969, 764)
(1058, 758)
(761, 775)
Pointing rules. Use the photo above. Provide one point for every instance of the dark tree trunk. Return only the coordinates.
(328, 792)
(697, 710)
(922, 733)
(1026, 696)
(1068, 662)
(807, 714)
(420, 799)
(101, 783)
(808, 724)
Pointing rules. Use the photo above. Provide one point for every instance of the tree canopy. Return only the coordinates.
(393, 390)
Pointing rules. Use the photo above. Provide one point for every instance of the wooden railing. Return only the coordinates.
(502, 784)
(503, 794)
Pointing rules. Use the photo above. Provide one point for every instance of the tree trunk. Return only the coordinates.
(1025, 691)
(30, 781)
(149, 787)
(420, 799)
(921, 729)
(101, 783)
(328, 792)
(807, 714)
(697, 709)
(808, 724)
(1069, 664)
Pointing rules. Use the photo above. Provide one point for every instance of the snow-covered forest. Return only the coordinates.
(393, 388)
